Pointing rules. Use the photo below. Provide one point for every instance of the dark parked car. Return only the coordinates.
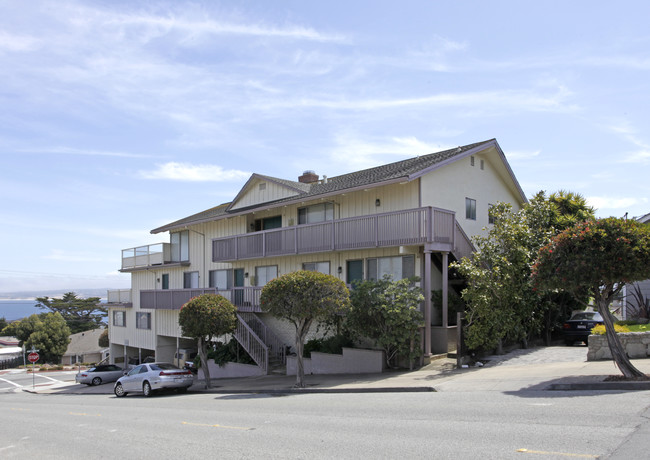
(99, 374)
(578, 328)
(147, 378)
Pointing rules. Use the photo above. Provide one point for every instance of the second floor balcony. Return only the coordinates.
(398, 228)
(246, 299)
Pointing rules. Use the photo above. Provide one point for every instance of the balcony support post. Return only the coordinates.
(427, 307)
(445, 289)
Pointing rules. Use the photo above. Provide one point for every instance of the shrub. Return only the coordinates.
(627, 322)
(600, 329)
(333, 344)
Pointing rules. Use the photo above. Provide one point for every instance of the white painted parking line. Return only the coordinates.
(10, 382)
(49, 378)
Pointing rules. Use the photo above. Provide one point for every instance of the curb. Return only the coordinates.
(293, 391)
(601, 386)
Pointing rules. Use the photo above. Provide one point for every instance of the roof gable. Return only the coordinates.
(261, 189)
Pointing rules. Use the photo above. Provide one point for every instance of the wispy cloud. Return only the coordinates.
(67, 256)
(608, 202)
(17, 43)
(522, 155)
(73, 151)
(194, 173)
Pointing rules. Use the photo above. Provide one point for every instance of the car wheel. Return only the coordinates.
(119, 390)
(181, 390)
(568, 343)
(146, 389)
(97, 381)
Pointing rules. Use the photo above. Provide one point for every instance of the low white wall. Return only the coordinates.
(230, 370)
(352, 361)
(636, 345)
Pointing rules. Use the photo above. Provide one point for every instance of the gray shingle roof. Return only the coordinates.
(367, 177)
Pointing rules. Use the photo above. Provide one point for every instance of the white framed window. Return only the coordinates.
(143, 320)
(315, 213)
(265, 274)
(490, 216)
(180, 246)
(398, 267)
(190, 280)
(119, 318)
(471, 160)
(322, 267)
(220, 279)
(470, 209)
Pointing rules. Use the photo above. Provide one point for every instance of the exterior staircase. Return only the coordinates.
(266, 349)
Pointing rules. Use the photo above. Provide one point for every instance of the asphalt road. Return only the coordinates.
(445, 425)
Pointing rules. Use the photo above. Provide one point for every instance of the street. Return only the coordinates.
(498, 425)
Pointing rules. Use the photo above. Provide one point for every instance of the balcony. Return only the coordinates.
(399, 228)
(246, 299)
(119, 298)
(146, 256)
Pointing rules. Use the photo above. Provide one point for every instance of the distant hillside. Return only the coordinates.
(85, 293)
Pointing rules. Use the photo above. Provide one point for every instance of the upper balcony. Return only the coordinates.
(398, 228)
(119, 298)
(143, 257)
(246, 299)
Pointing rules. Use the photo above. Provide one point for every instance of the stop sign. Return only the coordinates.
(32, 357)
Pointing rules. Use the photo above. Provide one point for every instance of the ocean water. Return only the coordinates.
(18, 309)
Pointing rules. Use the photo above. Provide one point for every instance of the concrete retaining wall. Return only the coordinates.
(636, 345)
(230, 370)
(352, 361)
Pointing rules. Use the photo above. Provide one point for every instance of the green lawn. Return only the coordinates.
(639, 327)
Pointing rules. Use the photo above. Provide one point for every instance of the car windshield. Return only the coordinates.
(162, 366)
(92, 369)
(587, 316)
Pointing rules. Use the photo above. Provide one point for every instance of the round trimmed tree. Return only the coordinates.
(303, 297)
(203, 318)
(597, 257)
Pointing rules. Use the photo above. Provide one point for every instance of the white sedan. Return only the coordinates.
(99, 374)
(147, 378)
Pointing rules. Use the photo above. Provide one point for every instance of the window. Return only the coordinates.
(220, 279)
(397, 268)
(267, 223)
(143, 320)
(180, 246)
(354, 271)
(316, 213)
(471, 160)
(482, 164)
(490, 216)
(190, 280)
(165, 281)
(470, 209)
(265, 274)
(119, 318)
(262, 186)
(323, 267)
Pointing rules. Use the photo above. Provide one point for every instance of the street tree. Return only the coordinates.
(80, 314)
(597, 257)
(46, 332)
(103, 339)
(206, 317)
(304, 297)
(388, 312)
(3, 323)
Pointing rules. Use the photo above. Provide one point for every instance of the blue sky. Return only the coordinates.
(118, 117)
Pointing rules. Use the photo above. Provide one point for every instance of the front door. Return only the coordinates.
(238, 285)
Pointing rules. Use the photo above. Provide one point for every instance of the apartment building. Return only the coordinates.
(411, 217)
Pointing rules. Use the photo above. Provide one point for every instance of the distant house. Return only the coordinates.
(9, 342)
(9, 348)
(642, 286)
(404, 219)
(84, 348)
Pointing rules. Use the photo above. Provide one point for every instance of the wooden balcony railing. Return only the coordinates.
(246, 299)
(399, 228)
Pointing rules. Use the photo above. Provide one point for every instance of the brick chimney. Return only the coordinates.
(308, 177)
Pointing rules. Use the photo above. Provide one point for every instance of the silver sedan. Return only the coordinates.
(99, 374)
(147, 378)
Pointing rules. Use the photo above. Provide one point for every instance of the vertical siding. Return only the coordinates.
(448, 187)
(254, 195)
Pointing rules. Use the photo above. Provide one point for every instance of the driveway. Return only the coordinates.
(539, 355)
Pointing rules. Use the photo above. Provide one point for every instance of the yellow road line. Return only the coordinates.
(218, 426)
(564, 454)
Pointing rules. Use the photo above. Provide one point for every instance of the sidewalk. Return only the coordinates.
(537, 369)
